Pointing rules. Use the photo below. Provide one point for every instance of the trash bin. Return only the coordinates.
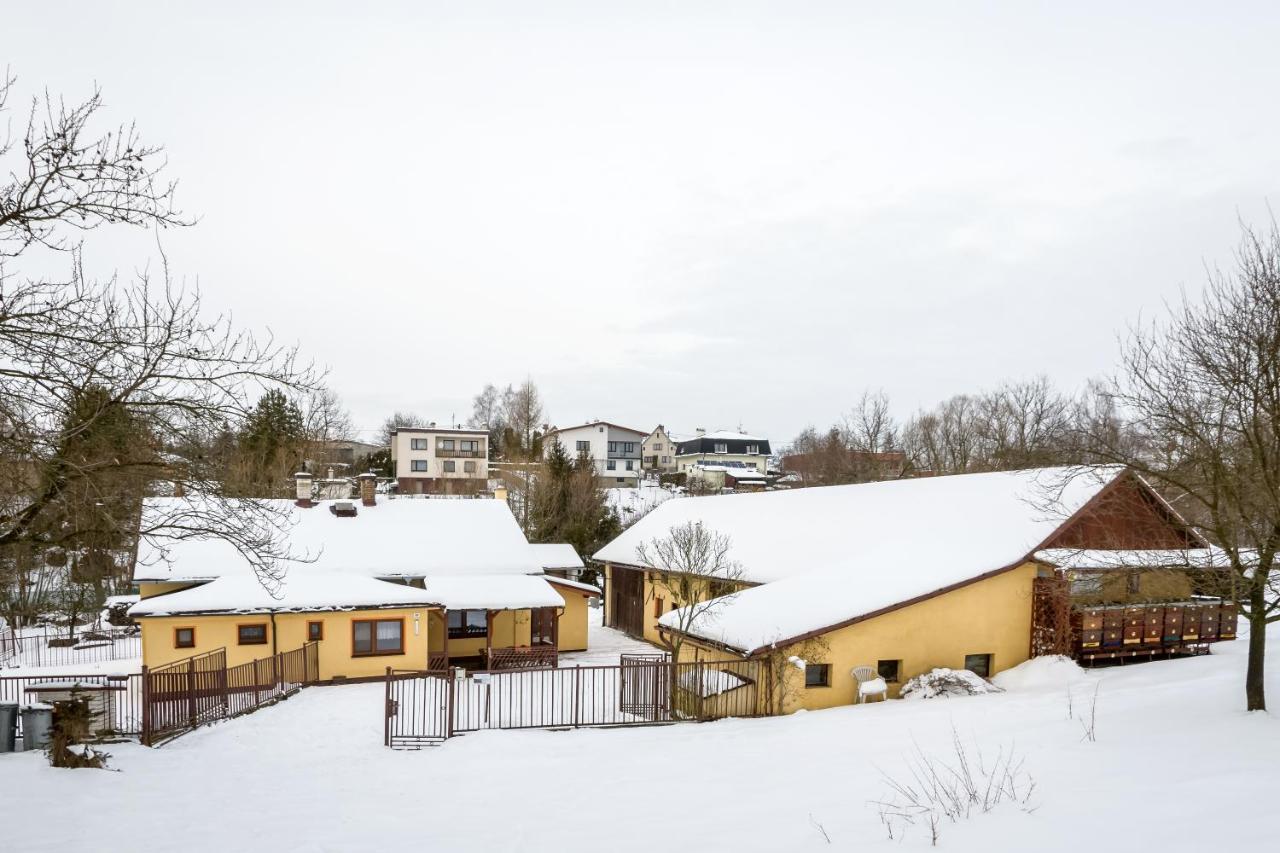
(8, 726)
(37, 725)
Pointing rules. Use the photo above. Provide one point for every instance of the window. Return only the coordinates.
(468, 623)
(1134, 583)
(419, 465)
(1084, 583)
(666, 460)
(252, 635)
(612, 465)
(444, 443)
(722, 447)
(657, 608)
(184, 638)
(377, 637)
(753, 449)
(469, 444)
(888, 669)
(978, 664)
(817, 675)
(450, 466)
(315, 631)
(613, 447)
(657, 447)
(469, 467)
(418, 443)
(631, 464)
(584, 446)
(628, 447)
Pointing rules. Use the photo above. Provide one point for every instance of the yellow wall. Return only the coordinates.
(213, 632)
(992, 616)
(572, 630)
(146, 590)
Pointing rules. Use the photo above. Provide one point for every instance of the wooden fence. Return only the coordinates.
(186, 694)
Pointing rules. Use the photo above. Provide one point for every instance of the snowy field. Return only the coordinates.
(1176, 766)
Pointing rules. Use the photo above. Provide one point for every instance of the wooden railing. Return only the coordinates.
(523, 657)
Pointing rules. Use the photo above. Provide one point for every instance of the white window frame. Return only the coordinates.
(418, 466)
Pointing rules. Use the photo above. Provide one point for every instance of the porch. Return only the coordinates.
(483, 639)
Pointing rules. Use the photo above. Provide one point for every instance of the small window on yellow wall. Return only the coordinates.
(184, 638)
(315, 631)
(252, 635)
(888, 670)
(817, 675)
(978, 664)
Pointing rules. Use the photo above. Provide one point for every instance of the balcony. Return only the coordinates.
(441, 453)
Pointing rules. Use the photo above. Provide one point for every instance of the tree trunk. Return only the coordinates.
(1254, 679)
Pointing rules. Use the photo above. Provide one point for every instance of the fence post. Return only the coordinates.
(191, 694)
(577, 693)
(386, 711)
(449, 702)
(146, 707)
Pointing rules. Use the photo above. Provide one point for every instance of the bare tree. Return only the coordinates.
(523, 416)
(398, 420)
(1200, 389)
(143, 348)
(488, 413)
(692, 565)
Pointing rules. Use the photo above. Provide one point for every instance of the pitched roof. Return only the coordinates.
(305, 591)
(556, 555)
(597, 423)
(829, 554)
(395, 538)
(1093, 559)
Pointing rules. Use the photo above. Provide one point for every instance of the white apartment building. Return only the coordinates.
(438, 460)
(614, 450)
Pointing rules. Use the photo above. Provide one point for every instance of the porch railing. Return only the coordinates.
(523, 657)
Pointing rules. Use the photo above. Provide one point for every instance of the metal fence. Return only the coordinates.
(426, 707)
(189, 693)
(31, 647)
(123, 707)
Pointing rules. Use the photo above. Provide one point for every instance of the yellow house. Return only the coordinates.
(391, 582)
(902, 577)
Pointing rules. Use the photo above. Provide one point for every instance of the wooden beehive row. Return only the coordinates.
(1156, 624)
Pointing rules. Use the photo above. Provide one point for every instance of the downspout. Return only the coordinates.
(274, 650)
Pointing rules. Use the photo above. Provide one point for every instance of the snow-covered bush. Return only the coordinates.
(1046, 672)
(947, 682)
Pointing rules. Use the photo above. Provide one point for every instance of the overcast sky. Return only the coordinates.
(712, 216)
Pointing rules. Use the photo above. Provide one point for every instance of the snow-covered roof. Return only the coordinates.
(565, 582)
(829, 554)
(556, 555)
(493, 592)
(395, 538)
(1099, 560)
(301, 591)
(725, 435)
(304, 591)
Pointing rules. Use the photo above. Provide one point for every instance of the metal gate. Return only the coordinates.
(417, 708)
(644, 686)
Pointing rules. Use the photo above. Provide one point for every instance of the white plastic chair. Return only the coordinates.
(869, 683)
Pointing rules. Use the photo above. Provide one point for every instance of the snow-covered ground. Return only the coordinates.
(604, 644)
(1176, 766)
(632, 504)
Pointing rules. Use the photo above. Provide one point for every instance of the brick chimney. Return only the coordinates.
(302, 480)
(368, 488)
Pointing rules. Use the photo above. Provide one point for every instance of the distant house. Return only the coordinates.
(613, 450)
(436, 460)
(410, 584)
(722, 448)
(658, 452)
(974, 571)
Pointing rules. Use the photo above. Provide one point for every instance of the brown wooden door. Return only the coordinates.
(626, 601)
